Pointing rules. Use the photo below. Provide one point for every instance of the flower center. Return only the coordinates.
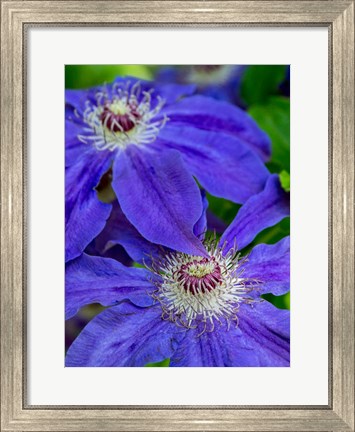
(122, 115)
(200, 276)
(198, 292)
(204, 75)
(207, 68)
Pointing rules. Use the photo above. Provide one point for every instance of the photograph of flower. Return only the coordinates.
(177, 215)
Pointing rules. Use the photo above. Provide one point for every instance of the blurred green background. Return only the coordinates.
(262, 96)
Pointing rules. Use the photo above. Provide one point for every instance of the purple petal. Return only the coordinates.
(125, 335)
(261, 339)
(116, 252)
(90, 279)
(260, 211)
(74, 148)
(214, 223)
(209, 349)
(76, 99)
(200, 227)
(218, 116)
(74, 125)
(270, 264)
(266, 331)
(159, 197)
(85, 215)
(223, 164)
(172, 93)
(119, 230)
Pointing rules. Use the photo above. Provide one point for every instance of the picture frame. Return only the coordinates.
(17, 18)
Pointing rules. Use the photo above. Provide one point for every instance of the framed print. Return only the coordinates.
(178, 181)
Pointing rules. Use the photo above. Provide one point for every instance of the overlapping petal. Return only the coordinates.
(90, 279)
(261, 211)
(200, 226)
(209, 114)
(159, 197)
(119, 230)
(85, 215)
(125, 335)
(222, 163)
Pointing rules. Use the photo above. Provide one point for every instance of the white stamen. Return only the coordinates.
(120, 100)
(196, 292)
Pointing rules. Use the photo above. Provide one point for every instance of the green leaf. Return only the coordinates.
(285, 180)
(259, 82)
(164, 363)
(281, 302)
(84, 76)
(274, 119)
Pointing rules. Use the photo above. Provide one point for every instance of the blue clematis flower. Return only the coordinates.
(197, 311)
(152, 139)
(221, 82)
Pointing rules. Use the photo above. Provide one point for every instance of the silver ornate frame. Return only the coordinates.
(16, 17)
